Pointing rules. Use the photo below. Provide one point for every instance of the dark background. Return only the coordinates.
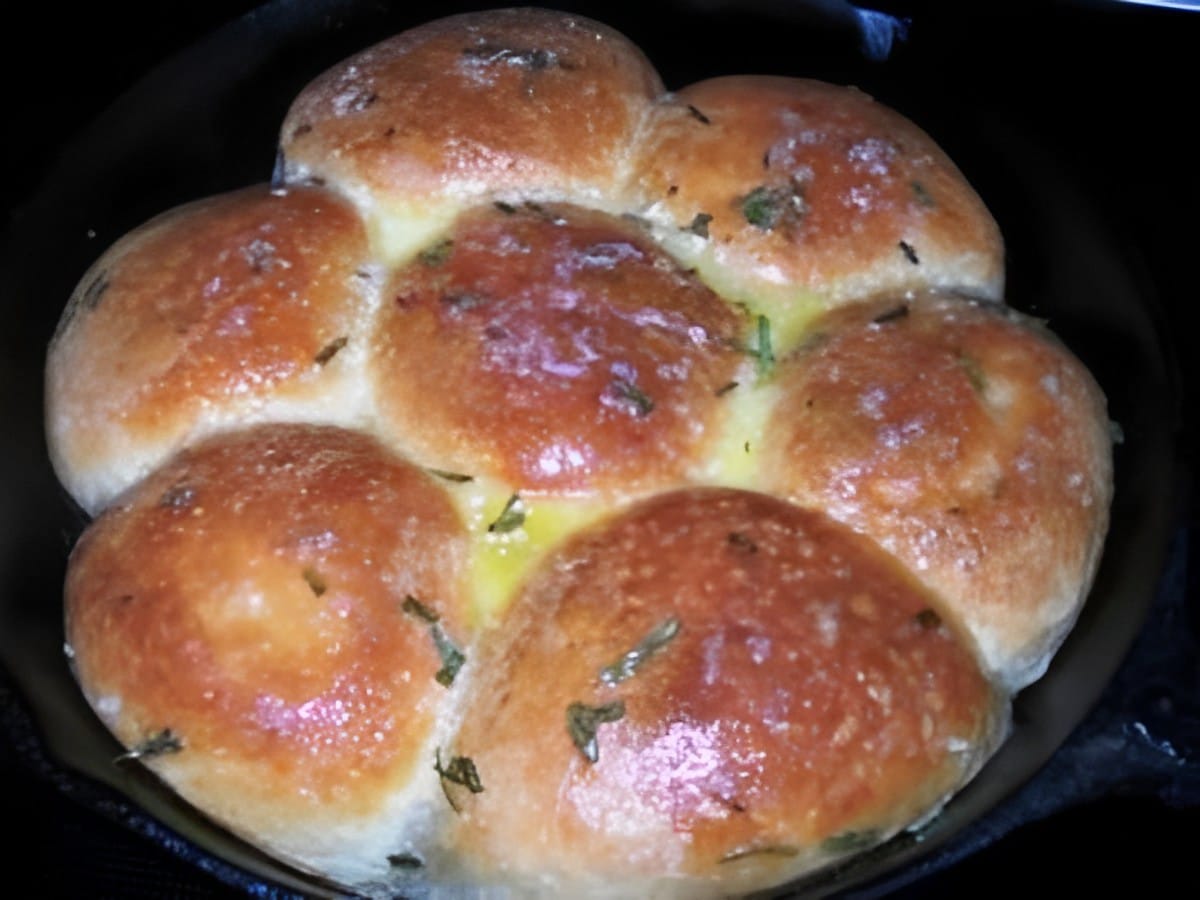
(1110, 87)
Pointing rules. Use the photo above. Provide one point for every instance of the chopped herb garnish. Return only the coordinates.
(763, 207)
(741, 542)
(627, 666)
(329, 351)
(769, 206)
(973, 371)
(699, 116)
(759, 850)
(544, 214)
(456, 477)
(699, 224)
(909, 253)
(405, 861)
(923, 196)
(511, 517)
(165, 741)
(437, 254)
(762, 351)
(452, 658)
(90, 298)
(928, 618)
(583, 720)
(849, 841)
(415, 607)
(725, 388)
(461, 771)
(892, 315)
(630, 392)
(315, 581)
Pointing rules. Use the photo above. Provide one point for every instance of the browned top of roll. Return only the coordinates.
(750, 684)
(250, 598)
(554, 347)
(967, 441)
(817, 186)
(204, 313)
(467, 106)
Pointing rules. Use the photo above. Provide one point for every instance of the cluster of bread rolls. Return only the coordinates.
(555, 483)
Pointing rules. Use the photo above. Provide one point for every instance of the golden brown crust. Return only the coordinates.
(554, 348)
(814, 186)
(801, 687)
(694, 369)
(249, 597)
(967, 441)
(207, 314)
(516, 102)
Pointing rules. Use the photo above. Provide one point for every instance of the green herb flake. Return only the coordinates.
(452, 658)
(415, 607)
(699, 224)
(974, 372)
(850, 841)
(314, 580)
(627, 666)
(928, 619)
(511, 517)
(437, 254)
(447, 475)
(767, 207)
(738, 853)
(330, 350)
(764, 206)
(634, 395)
(762, 351)
(159, 744)
(405, 861)
(461, 771)
(89, 299)
(583, 722)
(895, 314)
(922, 194)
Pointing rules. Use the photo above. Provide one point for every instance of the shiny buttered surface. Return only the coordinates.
(559, 485)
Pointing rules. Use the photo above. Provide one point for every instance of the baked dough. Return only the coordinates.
(560, 485)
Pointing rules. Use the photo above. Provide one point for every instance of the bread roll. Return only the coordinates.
(969, 442)
(712, 690)
(552, 485)
(226, 311)
(255, 620)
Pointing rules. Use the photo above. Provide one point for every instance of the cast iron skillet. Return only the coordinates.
(206, 121)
